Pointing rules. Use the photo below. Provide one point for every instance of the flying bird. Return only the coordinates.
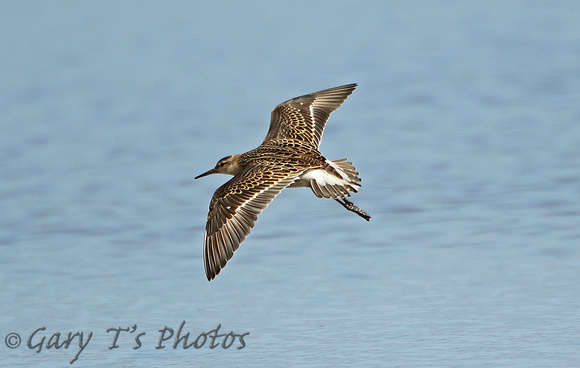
(288, 157)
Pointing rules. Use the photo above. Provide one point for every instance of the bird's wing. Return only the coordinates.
(304, 117)
(235, 207)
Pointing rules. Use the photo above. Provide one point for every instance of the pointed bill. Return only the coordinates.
(209, 172)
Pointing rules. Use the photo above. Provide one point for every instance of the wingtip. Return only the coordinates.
(210, 274)
(350, 85)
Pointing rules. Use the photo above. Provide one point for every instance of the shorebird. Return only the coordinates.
(288, 157)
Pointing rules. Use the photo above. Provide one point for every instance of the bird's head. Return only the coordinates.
(227, 165)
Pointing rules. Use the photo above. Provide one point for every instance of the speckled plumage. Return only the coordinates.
(288, 157)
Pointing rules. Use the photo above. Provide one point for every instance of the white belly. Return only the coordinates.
(322, 177)
(326, 184)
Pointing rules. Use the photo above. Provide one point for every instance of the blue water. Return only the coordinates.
(465, 128)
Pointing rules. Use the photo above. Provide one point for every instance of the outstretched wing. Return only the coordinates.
(234, 208)
(304, 117)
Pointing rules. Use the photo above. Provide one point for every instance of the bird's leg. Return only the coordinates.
(351, 207)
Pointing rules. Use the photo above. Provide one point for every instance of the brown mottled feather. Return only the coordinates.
(304, 117)
(235, 207)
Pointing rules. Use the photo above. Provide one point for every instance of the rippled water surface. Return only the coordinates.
(465, 128)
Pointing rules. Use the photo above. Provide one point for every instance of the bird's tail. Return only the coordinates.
(336, 180)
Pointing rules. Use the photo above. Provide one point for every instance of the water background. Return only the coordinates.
(465, 128)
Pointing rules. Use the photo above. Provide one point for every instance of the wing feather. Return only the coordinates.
(304, 117)
(235, 207)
